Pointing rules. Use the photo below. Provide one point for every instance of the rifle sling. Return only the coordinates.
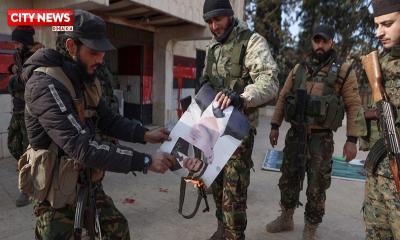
(198, 201)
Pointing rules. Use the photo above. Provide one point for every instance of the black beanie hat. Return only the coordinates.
(216, 8)
(383, 7)
(23, 34)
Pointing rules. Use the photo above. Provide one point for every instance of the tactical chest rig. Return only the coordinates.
(47, 174)
(234, 79)
(326, 111)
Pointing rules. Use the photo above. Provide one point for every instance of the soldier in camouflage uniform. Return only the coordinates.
(240, 67)
(333, 90)
(381, 203)
(17, 140)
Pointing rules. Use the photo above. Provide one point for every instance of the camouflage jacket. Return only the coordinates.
(258, 65)
(390, 62)
(348, 90)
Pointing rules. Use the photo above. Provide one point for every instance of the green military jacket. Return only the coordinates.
(258, 66)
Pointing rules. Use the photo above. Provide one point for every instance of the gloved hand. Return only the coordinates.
(234, 98)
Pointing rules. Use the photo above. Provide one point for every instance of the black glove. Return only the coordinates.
(236, 100)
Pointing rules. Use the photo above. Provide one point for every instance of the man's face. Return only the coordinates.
(18, 45)
(218, 25)
(89, 57)
(388, 29)
(321, 45)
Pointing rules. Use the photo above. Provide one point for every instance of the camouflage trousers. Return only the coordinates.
(17, 141)
(59, 223)
(230, 190)
(381, 208)
(318, 167)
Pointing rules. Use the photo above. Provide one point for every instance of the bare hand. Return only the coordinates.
(158, 135)
(193, 164)
(273, 137)
(349, 151)
(222, 100)
(161, 162)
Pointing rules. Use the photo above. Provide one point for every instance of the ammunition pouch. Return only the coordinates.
(375, 156)
(325, 111)
(290, 107)
(331, 112)
(36, 172)
(46, 176)
(64, 184)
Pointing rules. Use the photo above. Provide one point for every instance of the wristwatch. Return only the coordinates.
(147, 163)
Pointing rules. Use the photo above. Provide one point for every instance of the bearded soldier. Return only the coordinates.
(64, 107)
(331, 90)
(240, 67)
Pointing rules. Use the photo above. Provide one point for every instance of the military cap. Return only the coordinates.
(382, 7)
(216, 8)
(325, 31)
(90, 30)
(23, 34)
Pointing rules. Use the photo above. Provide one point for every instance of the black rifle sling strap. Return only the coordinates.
(201, 194)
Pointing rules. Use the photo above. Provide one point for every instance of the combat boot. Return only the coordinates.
(309, 232)
(282, 223)
(22, 200)
(219, 234)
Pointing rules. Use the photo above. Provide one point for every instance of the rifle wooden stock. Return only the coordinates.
(374, 75)
(395, 172)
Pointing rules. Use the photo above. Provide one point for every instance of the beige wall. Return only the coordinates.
(188, 48)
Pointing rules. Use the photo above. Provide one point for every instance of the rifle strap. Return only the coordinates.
(200, 194)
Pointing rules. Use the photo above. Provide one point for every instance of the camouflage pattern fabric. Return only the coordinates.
(230, 190)
(258, 64)
(381, 209)
(318, 168)
(59, 223)
(381, 202)
(17, 140)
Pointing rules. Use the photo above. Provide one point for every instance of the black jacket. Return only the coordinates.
(52, 117)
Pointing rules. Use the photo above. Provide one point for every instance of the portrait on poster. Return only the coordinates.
(206, 132)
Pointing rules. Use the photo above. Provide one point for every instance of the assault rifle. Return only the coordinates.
(301, 131)
(86, 214)
(387, 119)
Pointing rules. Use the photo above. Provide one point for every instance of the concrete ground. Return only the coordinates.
(153, 214)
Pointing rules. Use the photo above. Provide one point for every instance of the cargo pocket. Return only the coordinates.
(63, 188)
(25, 184)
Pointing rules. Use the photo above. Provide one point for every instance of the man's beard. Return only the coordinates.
(322, 56)
(83, 70)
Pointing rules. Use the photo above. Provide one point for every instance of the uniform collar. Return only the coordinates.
(395, 51)
(240, 27)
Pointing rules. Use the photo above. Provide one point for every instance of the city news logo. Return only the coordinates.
(58, 19)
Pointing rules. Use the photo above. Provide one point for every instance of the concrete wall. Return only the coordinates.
(189, 10)
(188, 48)
(165, 42)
